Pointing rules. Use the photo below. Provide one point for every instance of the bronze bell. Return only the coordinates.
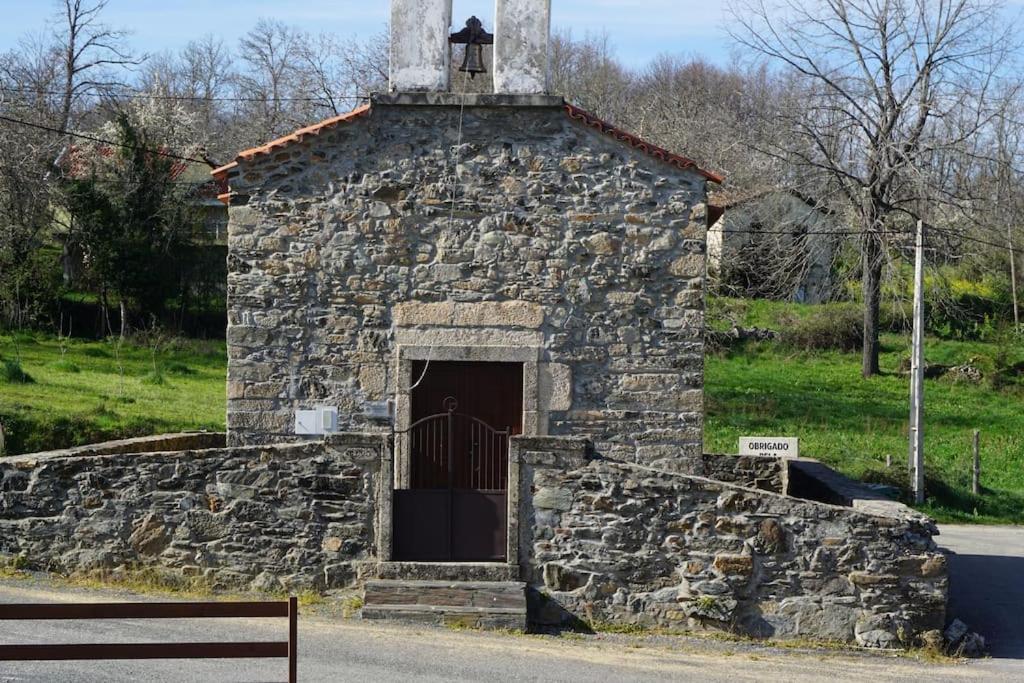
(473, 60)
(474, 37)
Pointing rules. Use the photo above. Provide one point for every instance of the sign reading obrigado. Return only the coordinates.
(777, 446)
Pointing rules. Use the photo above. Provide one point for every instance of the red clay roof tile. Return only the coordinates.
(298, 136)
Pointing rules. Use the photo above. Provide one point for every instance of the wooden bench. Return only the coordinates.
(155, 610)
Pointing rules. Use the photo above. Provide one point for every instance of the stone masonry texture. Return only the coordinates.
(596, 247)
(288, 517)
(751, 471)
(622, 543)
(598, 540)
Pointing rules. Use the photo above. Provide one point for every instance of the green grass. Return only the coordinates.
(96, 392)
(759, 389)
(852, 423)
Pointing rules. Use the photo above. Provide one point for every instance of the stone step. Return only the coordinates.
(480, 604)
(448, 571)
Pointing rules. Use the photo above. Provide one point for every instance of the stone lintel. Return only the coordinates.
(447, 99)
(525, 314)
(486, 354)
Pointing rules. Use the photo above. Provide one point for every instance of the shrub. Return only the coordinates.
(896, 316)
(154, 377)
(176, 368)
(12, 373)
(65, 365)
(833, 327)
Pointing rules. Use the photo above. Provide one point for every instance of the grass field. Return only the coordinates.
(95, 392)
(851, 423)
(101, 390)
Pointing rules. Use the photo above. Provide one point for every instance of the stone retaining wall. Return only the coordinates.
(617, 542)
(294, 517)
(179, 441)
(597, 540)
(752, 471)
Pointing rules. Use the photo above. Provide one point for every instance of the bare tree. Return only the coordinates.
(270, 56)
(887, 83)
(337, 74)
(587, 73)
(89, 50)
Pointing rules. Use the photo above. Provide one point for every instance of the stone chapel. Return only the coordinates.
(465, 372)
(508, 250)
(465, 380)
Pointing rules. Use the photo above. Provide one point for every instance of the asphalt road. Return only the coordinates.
(986, 567)
(988, 579)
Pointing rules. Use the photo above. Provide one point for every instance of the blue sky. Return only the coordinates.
(639, 29)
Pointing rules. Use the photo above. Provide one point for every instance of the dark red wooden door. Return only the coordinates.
(455, 508)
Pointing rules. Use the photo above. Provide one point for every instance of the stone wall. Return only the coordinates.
(751, 471)
(179, 441)
(595, 248)
(268, 518)
(618, 542)
(597, 540)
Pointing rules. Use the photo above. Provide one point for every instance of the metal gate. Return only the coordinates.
(455, 508)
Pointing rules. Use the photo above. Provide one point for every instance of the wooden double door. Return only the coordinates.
(455, 508)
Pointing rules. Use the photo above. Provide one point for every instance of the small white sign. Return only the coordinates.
(772, 446)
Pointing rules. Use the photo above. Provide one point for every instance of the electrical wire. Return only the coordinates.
(91, 138)
(835, 233)
(136, 95)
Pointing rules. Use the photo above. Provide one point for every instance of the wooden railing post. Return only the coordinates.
(293, 639)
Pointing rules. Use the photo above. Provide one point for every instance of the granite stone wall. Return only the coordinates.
(617, 542)
(345, 248)
(596, 540)
(179, 441)
(282, 517)
(752, 471)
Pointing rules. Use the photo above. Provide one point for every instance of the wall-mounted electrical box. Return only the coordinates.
(320, 420)
(328, 419)
(305, 422)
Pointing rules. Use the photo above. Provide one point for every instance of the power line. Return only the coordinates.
(953, 233)
(853, 233)
(792, 233)
(83, 136)
(136, 95)
(801, 233)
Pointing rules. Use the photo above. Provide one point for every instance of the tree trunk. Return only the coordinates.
(871, 253)
(105, 308)
(124, 320)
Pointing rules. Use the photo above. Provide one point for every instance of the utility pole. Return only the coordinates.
(917, 374)
(976, 469)
(1013, 278)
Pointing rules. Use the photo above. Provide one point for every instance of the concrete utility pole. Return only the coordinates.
(1013, 278)
(917, 374)
(976, 470)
